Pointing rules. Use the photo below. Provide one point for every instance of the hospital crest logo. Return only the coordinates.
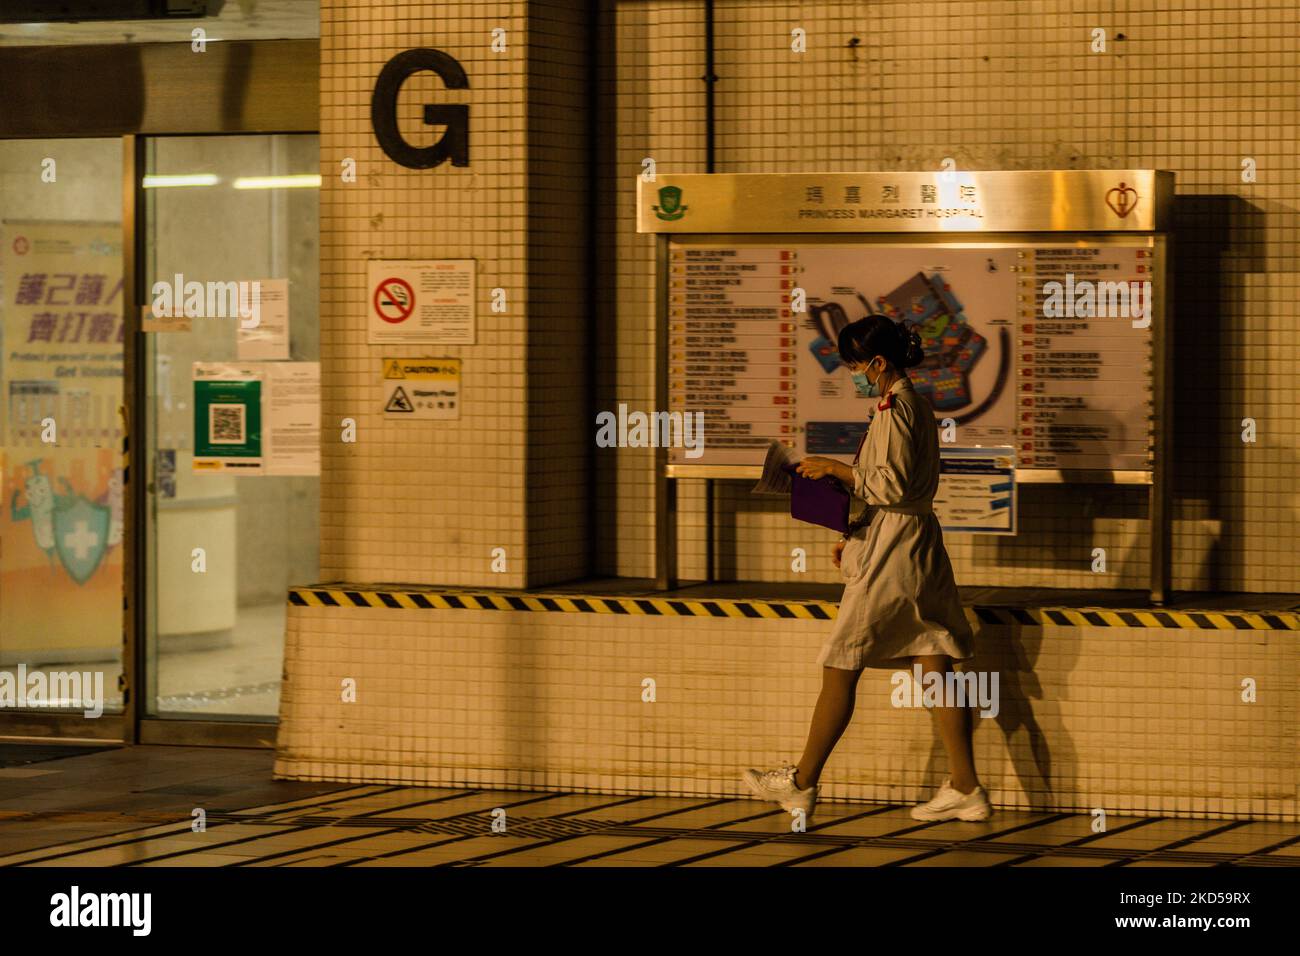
(670, 206)
(1122, 200)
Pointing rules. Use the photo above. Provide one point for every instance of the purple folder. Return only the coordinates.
(822, 501)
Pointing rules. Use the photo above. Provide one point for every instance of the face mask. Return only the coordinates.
(866, 388)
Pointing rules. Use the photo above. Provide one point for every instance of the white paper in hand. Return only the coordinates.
(774, 481)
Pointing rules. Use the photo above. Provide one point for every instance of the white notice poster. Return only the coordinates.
(175, 322)
(269, 339)
(420, 302)
(292, 418)
(977, 490)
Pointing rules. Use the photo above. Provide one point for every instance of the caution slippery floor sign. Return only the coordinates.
(421, 388)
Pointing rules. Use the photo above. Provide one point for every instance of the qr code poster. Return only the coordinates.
(227, 424)
(227, 418)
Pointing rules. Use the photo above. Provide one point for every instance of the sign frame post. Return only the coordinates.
(665, 485)
(1159, 497)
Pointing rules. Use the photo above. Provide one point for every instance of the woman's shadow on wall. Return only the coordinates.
(1012, 653)
(1210, 233)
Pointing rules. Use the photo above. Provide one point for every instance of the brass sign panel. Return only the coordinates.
(1070, 200)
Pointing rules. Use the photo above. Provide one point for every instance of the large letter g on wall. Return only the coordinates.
(454, 144)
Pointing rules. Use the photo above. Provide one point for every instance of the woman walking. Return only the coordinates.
(900, 605)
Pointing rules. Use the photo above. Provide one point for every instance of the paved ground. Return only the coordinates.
(132, 806)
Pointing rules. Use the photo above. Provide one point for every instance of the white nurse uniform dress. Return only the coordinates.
(900, 598)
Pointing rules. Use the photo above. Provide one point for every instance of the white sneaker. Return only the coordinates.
(950, 804)
(778, 786)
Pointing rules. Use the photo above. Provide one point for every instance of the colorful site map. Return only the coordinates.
(952, 346)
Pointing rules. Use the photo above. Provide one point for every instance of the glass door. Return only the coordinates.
(61, 448)
(231, 277)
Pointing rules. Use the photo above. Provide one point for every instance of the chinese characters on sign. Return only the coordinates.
(943, 200)
(1063, 379)
(421, 388)
(70, 307)
(62, 503)
(1084, 361)
(731, 346)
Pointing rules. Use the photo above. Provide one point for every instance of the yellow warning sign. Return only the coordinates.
(418, 388)
(422, 368)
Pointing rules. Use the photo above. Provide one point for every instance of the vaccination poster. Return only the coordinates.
(61, 322)
(228, 417)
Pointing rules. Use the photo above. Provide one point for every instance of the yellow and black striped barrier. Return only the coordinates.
(432, 599)
(1138, 617)
(466, 600)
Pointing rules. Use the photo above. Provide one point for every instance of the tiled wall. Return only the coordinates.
(658, 114)
(561, 351)
(1192, 86)
(1123, 719)
(425, 501)
(1087, 718)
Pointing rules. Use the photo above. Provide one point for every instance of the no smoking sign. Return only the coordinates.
(419, 302)
(394, 300)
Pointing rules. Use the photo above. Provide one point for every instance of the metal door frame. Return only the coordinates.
(154, 89)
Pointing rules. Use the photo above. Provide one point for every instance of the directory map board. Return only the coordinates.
(1042, 346)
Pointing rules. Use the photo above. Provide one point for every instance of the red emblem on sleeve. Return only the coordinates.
(887, 403)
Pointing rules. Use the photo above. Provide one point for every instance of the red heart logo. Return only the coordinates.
(1122, 200)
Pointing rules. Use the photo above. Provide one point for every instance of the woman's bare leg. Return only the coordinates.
(956, 727)
(830, 718)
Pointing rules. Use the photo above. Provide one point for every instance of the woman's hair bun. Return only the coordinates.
(910, 349)
(863, 340)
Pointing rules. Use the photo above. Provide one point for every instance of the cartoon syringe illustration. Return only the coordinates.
(41, 502)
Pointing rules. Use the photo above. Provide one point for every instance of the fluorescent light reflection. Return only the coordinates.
(190, 179)
(303, 181)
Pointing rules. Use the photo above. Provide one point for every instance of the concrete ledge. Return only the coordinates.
(1131, 719)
